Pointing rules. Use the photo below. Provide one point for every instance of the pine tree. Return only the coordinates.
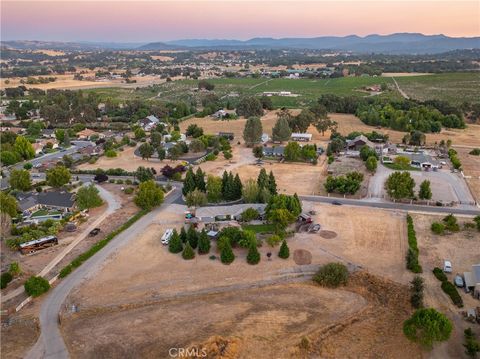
(189, 184)
(188, 252)
(200, 180)
(203, 243)
(183, 235)
(253, 256)
(175, 245)
(284, 250)
(425, 191)
(224, 184)
(272, 184)
(281, 131)
(237, 187)
(226, 255)
(192, 237)
(262, 179)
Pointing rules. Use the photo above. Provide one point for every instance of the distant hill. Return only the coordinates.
(401, 43)
(153, 46)
(67, 46)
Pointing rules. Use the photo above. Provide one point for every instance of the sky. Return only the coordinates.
(157, 20)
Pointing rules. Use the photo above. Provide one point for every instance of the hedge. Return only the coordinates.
(438, 273)
(412, 254)
(77, 262)
(452, 292)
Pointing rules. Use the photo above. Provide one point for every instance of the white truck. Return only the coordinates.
(166, 236)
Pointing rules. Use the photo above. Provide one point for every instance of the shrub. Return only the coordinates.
(14, 269)
(175, 245)
(5, 278)
(119, 181)
(250, 214)
(475, 152)
(412, 261)
(472, 346)
(188, 252)
(412, 254)
(111, 153)
(438, 228)
(253, 256)
(452, 292)
(451, 223)
(36, 286)
(128, 181)
(427, 326)
(128, 190)
(284, 252)
(416, 289)
(332, 275)
(226, 255)
(438, 273)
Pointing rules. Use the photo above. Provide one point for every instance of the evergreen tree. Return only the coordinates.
(262, 179)
(200, 180)
(281, 131)
(253, 256)
(425, 191)
(284, 250)
(226, 255)
(175, 245)
(188, 252)
(272, 185)
(224, 184)
(237, 187)
(203, 243)
(252, 133)
(190, 182)
(183, 235)
(192, 237)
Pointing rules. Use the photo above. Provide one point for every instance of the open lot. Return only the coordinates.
(471, 169)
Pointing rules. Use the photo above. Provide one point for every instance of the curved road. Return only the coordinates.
(50, 344)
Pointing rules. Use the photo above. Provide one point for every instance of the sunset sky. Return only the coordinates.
(145, 21)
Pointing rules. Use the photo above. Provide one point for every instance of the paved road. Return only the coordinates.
(465, 210)
(50, 344)
(113, 205)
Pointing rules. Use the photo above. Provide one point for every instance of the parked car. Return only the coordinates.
(447, 267)
(336, 203)
(315, 228)
(94, 232)
(459, 281)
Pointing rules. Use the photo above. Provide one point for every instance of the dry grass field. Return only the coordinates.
(471, 169)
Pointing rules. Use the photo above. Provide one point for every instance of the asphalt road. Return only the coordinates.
(50, 344)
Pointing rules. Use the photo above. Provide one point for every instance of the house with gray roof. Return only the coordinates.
(274, 151)
(60, 200)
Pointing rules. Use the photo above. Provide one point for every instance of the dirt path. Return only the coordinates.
(261, 83)
(400, 90)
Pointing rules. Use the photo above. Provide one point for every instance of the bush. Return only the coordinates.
(253, 256)
(14, 269)
(111, 153)
(451, 223)
(332, 275)
(250, 214)
(416, 289)
(438, 228)
(412, 261)
(188, 252)
(412, 255)
(119, 181)
(5, 278)
(472, 346)
(226, 255)
(284, 252)
(427, 326)
(36, 286)
(452, 292)
(128, 190)
(438, 273)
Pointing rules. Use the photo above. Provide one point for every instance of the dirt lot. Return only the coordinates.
(18, 336)
(267, 322)
(343, 165)
(471, 168)
(346, 124)
(462, 249)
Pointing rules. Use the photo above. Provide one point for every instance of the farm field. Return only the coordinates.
(452, 87)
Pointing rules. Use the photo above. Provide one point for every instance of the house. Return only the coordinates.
(48, 133)
(60, 200)
(219, 114)
(228, 135)
(91, 150)
(87, 134)
(421, 160)
(39, 145)
(303, 137)
(472, 280)
(275, 151)
(148, 123)
(15, 130)
(358, 142)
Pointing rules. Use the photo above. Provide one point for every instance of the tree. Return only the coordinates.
(249, 106)
(196, 198)
(9, 158)
(24, 148)
(189, 184)
(292, 151)
(194, 131)
(262, 179)
(214, 189)
(284, 252)
(227, 155)
(416, 288)
(417, 138)
(257, 151)
(200, 180)
(110, 153)
(281, 131)
(146, 150)
(302, 121)
(183, 235)
(139, 133)
(8, 204)
(203, 243)
(366, 152)
(237, 187)
(425, 191)
(402, 162)
(161, 153)
(20, 179)
(196, 146)
(400, 185)
(472, 345)
(427, 326)
(323, 124)
(149, 195)
(253, 256)
(155, 139)
(250, 191)
(204, 84)
(66, 139)
(144, 174)
(60, 134)
(192, 237)
(371, 164)
(250, 214)
(226, 255)
(175, 245)
(58, 176)
(281, 218)
(36, 286)
(332, 275)
(274, 240)
(188, 252)
(252, 133)
(88, 197)
(67, 161)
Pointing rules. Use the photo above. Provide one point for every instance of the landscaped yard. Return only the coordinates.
(259, 228)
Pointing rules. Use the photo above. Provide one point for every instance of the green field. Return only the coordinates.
(452, 87)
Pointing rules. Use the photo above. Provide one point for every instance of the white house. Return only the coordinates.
(149, 122)
(304, 137)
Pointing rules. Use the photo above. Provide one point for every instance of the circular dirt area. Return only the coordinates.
(327, 234)
(302, 256)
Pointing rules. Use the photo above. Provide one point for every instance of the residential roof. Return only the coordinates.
(153, 119)
(360, 138)
(302, 135)
(58, 198)
(274, 151)
(87, 132)
(420, 158)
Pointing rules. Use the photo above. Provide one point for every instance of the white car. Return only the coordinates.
(447, 267)
(166, 236)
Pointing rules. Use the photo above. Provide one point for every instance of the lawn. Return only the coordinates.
(259, 228)
(397, 167)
